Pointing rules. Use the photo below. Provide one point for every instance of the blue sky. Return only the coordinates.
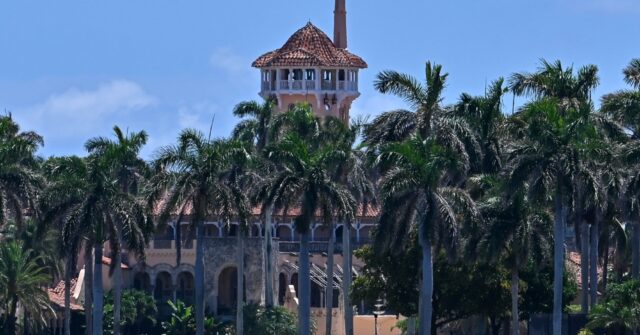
(72, 69)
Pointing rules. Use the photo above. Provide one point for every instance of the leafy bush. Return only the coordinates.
(183, 321)
(137, 314)
(259, 320)
(619, 310)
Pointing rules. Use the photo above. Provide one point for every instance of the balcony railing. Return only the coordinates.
(318, 247)
(309, 85)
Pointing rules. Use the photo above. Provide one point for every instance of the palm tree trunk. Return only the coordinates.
(329, 273)
(88, 288)
(411, 325)
(268, 252)
(117, 284)
(605, 262)
(515, 314)
(304, 287)
(199, 270)
(178, 241)
(67, 293)
(584, 267)
(10, 322)
(240, 284)
(98, 294)
(635, 251)
(593, 254)
(346, 278)
(558, 261)
(426, 289)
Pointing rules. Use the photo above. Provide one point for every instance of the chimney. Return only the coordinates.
(340, 25)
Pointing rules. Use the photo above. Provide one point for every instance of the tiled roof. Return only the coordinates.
(56, 295)
(573, 265)
(310, 46)
(107, 261)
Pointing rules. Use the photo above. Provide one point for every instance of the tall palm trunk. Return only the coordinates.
(178, 230)
(593, 254)
(584, 266)
(515, 314)
(304, 287)
(199, 270)
(346, 278)
(10, 322)
(426, 289)
(98, 291)
(605, 261)
(240, 284)
(268, 261)
(635, 251)
(88, 288)
(117, 284)
(558, 261)
(329, 273)
(68, 269)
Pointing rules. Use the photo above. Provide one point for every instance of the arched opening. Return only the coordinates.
(283, 233)
(282, 288)
(142, 282)
(163, 292)
(186, 288)
(316, 295)
(321, 234)
(339, 233)
(294, 282)
(211, 230)
(228, 291)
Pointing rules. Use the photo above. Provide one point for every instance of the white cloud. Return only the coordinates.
(375, 104)
(197, 116)
(233, 68)
(68, 119)
(82, 111)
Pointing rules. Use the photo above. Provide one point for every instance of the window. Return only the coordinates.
(311, 74)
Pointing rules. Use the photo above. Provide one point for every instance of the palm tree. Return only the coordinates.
(624, 107)
(484, 116)
(102, 207)
(67, 178)
(255, 130)
(547, 140)
(415, 191)
(20, 181)
(569, 92)
(21, 282)
(429, 119)
(518, 232)
(192, 175)
(122, 155)
(354, 173)
(304, 179)
(632, 73)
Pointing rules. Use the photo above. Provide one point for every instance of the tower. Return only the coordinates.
(312, 68)
(340, 25)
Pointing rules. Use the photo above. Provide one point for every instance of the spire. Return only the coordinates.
(340, 25)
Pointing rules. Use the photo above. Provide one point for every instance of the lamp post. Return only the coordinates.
(377, 312)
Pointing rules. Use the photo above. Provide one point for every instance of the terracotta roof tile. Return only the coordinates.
(310, 46)
(107, 261)
(56, 295)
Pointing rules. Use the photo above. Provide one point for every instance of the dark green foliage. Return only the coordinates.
(267, 321)
(620, 309)
(183, 322)
(138, 313)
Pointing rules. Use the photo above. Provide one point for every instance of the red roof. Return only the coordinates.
(56, 295)
(309, 46)
(107, 261)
